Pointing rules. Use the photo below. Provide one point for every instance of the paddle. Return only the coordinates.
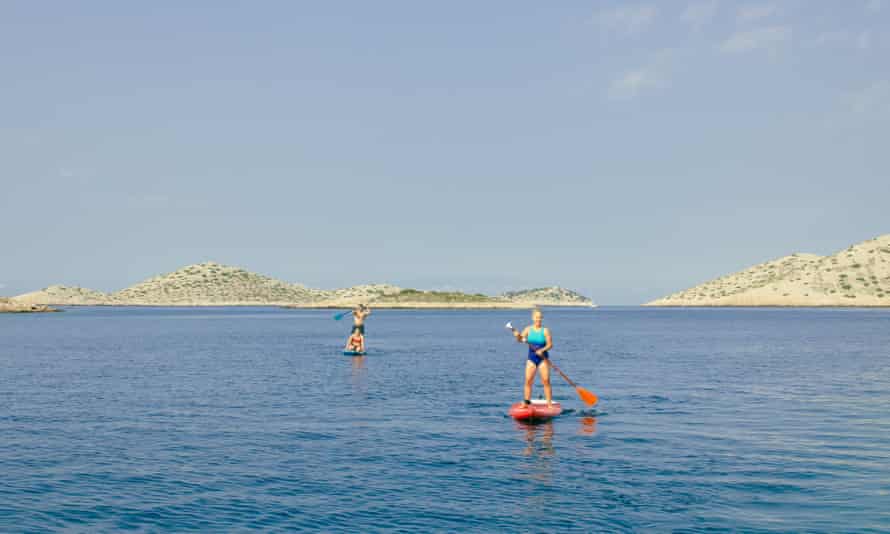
(588, 397)
(342, 315)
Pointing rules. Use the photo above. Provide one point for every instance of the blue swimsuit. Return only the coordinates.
(536, 341)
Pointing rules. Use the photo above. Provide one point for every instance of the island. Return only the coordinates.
(856, 276)
(11, 306)
(215, 284)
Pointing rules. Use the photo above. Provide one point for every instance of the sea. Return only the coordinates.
(235, 419)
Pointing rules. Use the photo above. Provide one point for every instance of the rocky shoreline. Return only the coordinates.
(434, 306)
(10, 306)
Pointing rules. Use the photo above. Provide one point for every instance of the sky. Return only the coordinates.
(625, 150)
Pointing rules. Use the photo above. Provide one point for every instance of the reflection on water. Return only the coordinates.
(538, 438)
(588, 426)
(359, 375)
(540, 457)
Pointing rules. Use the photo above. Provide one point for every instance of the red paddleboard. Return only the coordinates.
(536, 410)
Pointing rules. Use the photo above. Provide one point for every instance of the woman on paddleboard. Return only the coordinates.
(539, 342)
(356, 342)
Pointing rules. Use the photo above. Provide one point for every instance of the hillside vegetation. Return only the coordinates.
(856, 276)
(548, 296)
(213, 284)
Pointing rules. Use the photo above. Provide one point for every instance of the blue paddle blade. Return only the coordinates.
(342, 315)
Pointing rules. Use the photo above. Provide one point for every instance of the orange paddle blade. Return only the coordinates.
(588, 397)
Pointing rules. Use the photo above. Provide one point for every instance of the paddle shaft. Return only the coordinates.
(558, 370)
(588, 397)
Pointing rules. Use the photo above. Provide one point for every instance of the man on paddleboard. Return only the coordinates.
(539, 342)
(359, 314)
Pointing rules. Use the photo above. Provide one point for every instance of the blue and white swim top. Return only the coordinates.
(536, 336)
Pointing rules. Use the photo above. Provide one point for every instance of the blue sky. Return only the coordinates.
(623, 149)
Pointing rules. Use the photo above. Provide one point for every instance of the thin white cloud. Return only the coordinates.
(768, 38)
(872, 100)
(754, 13)
(874, 5)
(626, 20)
(699, 14)
(631, 83)
(648, 77)
(843, 39)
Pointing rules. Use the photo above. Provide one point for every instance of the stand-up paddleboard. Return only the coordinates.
(353, 353)
(536, 410)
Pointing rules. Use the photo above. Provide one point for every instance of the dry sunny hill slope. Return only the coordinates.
(64, 295)
(213, 284)
(204, 284)
(548, 296)
(856, 276)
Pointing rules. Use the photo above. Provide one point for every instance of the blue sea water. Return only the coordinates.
(755, 420)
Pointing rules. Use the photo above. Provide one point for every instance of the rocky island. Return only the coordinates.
(856, 276)
(214, 284)
(12, 306)
(396, 297)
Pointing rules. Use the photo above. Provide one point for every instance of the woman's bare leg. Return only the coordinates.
(545, 379)
(530, 371)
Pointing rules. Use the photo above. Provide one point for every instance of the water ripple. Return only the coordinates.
(765, 421)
